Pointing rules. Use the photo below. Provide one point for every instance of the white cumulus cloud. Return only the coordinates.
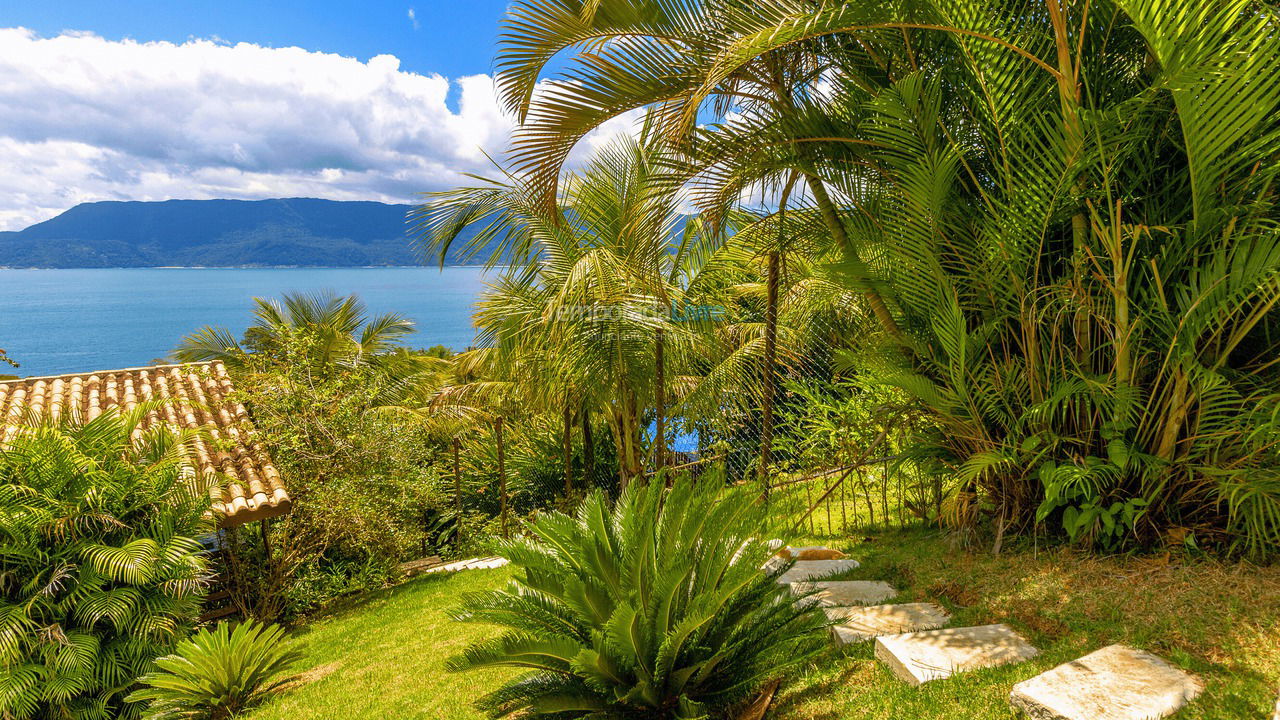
(85, 118)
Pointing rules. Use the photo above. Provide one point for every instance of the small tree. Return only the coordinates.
(100, 569)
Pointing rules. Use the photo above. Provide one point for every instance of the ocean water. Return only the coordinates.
(63, 321)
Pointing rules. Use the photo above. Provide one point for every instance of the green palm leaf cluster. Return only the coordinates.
(100, 569)
(338, 331)
(655, 607)
(217, 673)
(576, 318)
(1061, 217)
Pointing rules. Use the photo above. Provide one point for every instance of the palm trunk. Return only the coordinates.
(832, 219)
(626, 429)
(588, 447)
(660, 398)
(770, 349)
(457, 484)
(502, 474)
(568, 451)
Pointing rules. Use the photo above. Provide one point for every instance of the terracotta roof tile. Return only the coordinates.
(199, 395)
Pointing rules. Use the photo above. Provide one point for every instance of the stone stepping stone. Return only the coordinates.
(472, 564)
(1114, 683)
(919, 657)
(815, 569)
(860, 624)
(845, 593)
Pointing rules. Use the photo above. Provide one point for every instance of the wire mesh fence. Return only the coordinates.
(823, 447)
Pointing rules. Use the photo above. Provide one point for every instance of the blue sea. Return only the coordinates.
(63, 321)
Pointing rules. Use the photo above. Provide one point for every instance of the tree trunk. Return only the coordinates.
(588, 448)
(831, 217)
(568, 451)
(626, 429)
(660, 398)
(770, 349)
(457, 485)
(502, 475)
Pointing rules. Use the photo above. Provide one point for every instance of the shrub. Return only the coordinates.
(360, 479)
(656, 607)
(100, 570)
(217, 673)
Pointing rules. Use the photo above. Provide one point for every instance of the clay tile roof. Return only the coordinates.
(198, 395)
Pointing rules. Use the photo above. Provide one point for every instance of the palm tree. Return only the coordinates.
(1067, 211)
(340, 331)
(588, 298)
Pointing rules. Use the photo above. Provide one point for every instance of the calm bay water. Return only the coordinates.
(61, 321)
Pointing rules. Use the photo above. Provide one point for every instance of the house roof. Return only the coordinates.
(196, 395)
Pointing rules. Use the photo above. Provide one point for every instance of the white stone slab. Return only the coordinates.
(919, 657)
(472, 564)
(815, 570)
(1114, 683)
(859, 624)
(845, 593)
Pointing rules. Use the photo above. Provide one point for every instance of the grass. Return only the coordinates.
(1221, 622)
(384, 657)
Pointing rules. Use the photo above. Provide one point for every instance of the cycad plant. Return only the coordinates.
(100, 569)
(656, 607)
(217, 673)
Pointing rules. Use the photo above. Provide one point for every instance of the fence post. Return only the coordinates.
(502, 475)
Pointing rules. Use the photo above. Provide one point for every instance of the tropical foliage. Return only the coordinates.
(314, 374)
(1059, 218)
(217, 673)
(100, 566)
(588, 301)
(609, 624)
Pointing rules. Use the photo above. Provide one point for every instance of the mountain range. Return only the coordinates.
(287, 232)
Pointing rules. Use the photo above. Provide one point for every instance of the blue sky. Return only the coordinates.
(150, 100)
(449, 38)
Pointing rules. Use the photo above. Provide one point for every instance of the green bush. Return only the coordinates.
(360, 479)
(217, 673)
(656, 607)
(100, 569)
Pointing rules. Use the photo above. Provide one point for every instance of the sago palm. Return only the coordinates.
(217, 673)
(656, 607)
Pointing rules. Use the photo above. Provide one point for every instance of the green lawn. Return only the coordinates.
(383, 658)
